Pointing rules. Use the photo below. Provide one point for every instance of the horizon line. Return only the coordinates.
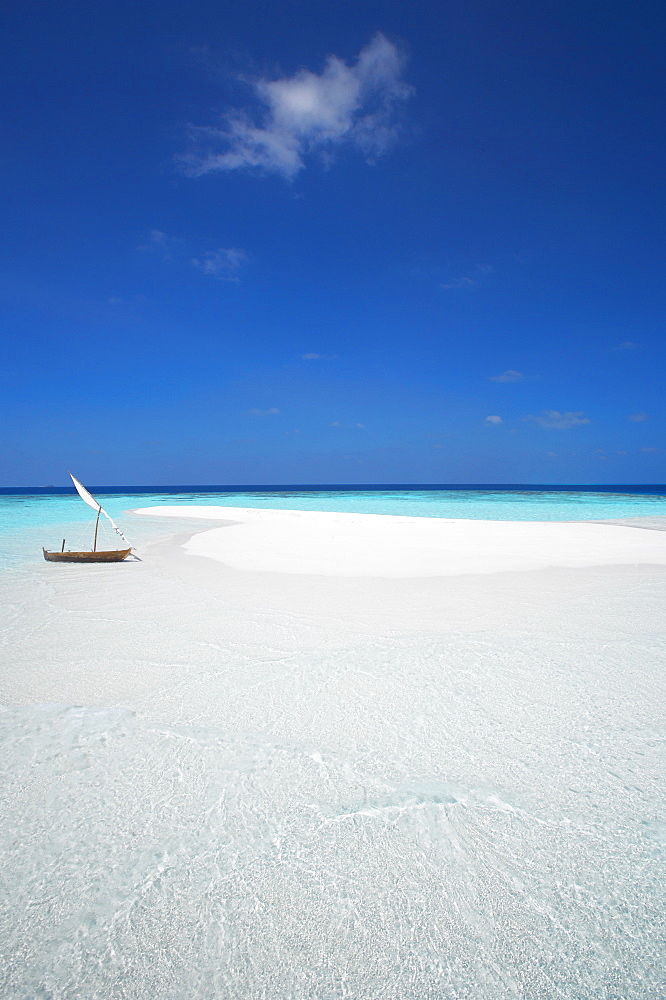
(280, 487)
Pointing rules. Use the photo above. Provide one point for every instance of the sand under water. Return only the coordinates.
(319, 757)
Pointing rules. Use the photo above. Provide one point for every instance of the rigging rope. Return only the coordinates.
(90, 500)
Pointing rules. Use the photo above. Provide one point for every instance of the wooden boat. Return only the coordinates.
(112, 555)
(95, 554)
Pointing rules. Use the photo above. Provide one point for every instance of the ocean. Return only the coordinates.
(32, 518)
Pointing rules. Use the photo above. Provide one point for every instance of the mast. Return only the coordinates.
(96, 527)
(90, 500)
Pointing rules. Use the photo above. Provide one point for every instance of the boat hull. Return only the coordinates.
(115, 555)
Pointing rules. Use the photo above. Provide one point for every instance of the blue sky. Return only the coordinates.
(333, 242)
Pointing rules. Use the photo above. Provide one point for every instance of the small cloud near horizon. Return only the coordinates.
(312, 356)
(510, 375)
(293, 116)
(161, 243)
(626, 345)
(131, 302)
(481, 272)
(256, 412)
(560, 421)
(457, 283)
(223, 264)
(494, 419)
(652, 449)
(637, 418)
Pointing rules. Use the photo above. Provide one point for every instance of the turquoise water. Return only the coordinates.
(28, 521)
(26, 511)
(19, 511)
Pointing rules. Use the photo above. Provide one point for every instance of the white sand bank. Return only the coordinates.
(337, 544)
(222, 783)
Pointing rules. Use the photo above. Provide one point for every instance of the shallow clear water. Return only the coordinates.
(477, 504)
(414, 791)
(24, 513)
(207, 795)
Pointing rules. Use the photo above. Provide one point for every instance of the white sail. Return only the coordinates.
(90, 500)
(85, 496)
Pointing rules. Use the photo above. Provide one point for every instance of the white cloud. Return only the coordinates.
(626, 345)
(510, 375)
(651, 449)
(458, 283)
(157, 236)
(637, 418)
(494, 419)
(480, 272)
(161, 244)
(560, 421)
(264, 413)
(309, 112)
(222, 264)
(133, 302)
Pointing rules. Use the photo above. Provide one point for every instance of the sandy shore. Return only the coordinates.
(228, 771)
(330, 544)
